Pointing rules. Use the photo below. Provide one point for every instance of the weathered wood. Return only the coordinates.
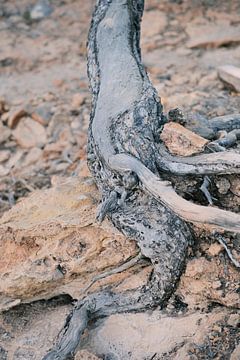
(125, 157)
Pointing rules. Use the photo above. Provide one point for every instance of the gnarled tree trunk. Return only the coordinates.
(127, 159)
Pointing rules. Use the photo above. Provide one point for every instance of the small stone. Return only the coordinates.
(29, 134)
(181, 141)
(230, 75)
(85, 355)
(5, 116)
(216, 284)
(77, 100)
(41, 10)
(214, 249)
(5, 133)
(58, 82)
(234, 320)
(15, 159)
(42, 115)
(32, 156)
(3, 171)
(4, 155)
(223, 185)
(158, 21)
(235, 353)
(2, 105)
(235, 187)
(15, 116)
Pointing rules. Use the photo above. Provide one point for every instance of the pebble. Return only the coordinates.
(14, 117)
(181, 141)
(78, 100)
(214, 249)
(158, 21)
(3, 171)
(5, 133)
(223, 185)
(32, 156)
(4, 155)
(234, 320)
(30, 133)
(42, 115)
(230, 75)
(41, 10)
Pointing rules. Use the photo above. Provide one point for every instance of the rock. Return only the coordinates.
(4, 155)
(29, 134)
(28, 331)
(212, 35)
(230, 75)
(14, 117)
(85, 355)
(5, 133)
(52, 245)
(15, 159)
(234, 320)
(3, 171)
(3, 106)
(181, 141)
(149, 336)
(77, 100)
(41, 10)
(32, 157)
(204, 281)
(42, 115)
(199, 125)
(223, 185)
(215, 249)
(158, 21)
(235, 186)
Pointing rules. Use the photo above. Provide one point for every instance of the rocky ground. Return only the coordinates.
(50, 244)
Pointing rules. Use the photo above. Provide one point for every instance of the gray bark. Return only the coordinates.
(126, 159)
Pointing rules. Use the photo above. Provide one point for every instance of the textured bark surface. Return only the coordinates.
(127, 160)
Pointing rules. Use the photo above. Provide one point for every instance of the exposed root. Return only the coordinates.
(227, 162)
(92, 308)
(221, 240)
(163, 191)
(204, 188)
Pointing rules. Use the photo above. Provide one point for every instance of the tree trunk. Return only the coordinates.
(127, 161)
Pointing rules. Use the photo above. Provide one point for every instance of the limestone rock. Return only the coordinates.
(4, 155)
(30, 134)
(181, 141)
(158, 21)
(5, 133)
(230, 75)
(42, 114)
(146, 336)
(205, 280)
(212, 35)
(14, 117)
(41, 10)
(77, 100)
(52, 244)
(3, 171)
